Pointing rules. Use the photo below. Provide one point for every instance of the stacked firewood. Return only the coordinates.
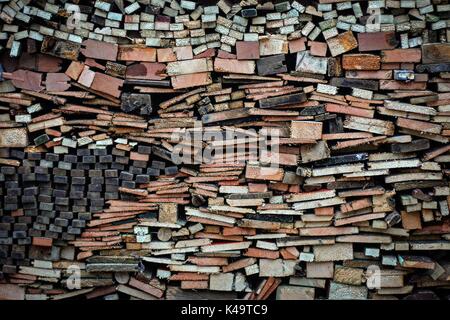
(165, 149)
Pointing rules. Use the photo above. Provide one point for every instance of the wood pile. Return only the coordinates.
(174, 149)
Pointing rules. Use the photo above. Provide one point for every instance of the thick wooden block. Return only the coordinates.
(42, 242)
(11, 292)
(335, 252)
(401, 55)
(168, 212)
(234, 66)
(411, 220)
(14, 138)
(321, 270)
(361, 62)
(247, 50)
(136, 53)
(355, 83)
(297, 45)
(306, 130)
(146, 71)
(282, 100)
(373, 41)
(263, 173)
(417, 125)
(107, 84)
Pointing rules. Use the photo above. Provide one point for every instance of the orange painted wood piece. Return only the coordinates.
(107, 84)
(42, 242)
(328, 231)
(417, 125)
(262, 253)
(401, 55)
(436, 53)
(239, 264)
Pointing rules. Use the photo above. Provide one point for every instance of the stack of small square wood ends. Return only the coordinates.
(111, 188)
